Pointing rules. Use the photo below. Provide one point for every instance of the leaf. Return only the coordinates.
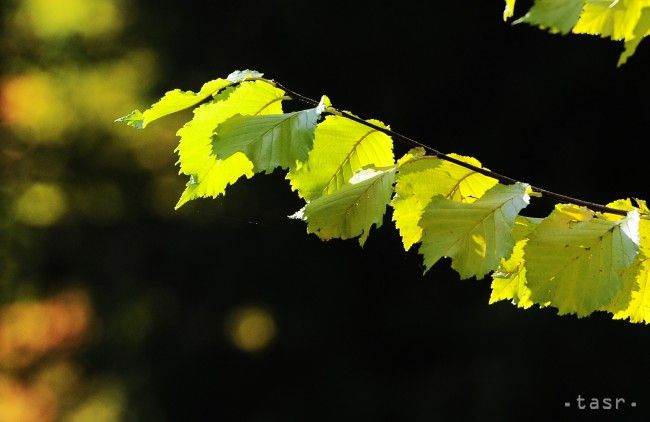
(279, 140)
(249, 98)
(627, 20)
(556, 15)
(509, 280)
(640, 31)
(422, 178)
(509, 10)
(209, 175)
(172, 102)
(352, 210)
(214, 181)
(475, 235)
(341, 148)
(614, 19)
(574, 259)
(633, 300)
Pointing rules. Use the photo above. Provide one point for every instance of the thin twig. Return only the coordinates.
(500, 177)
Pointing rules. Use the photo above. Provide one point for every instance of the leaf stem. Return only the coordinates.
(500, 177)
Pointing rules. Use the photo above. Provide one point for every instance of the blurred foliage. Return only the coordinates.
(48, 19)
(39, 380)
(69, 67)
(59, 58)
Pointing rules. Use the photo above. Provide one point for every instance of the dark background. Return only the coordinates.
(362, 334)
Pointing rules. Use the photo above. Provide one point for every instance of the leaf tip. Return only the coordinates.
(134, 119)
(184, 199)
(363, 238)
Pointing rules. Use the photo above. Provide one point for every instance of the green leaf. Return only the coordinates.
(556, 15)
(423, 177)
(249, 98)
(209, 175)
(475, 235)
(575, 259)
(172, 102)
(627, 20)
(352, 210)
(269, 141)
(509, 280)
(341, 148)
(633, 300)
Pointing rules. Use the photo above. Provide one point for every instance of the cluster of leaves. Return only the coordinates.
(620, 20)
(576, 260)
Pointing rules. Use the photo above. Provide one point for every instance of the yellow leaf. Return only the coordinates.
(209, 175)
(640, 31)
(509, 280)
(423, 177)
(172, 102)
(341, 148)
(214, 178)
(614, 19)
(509, 10)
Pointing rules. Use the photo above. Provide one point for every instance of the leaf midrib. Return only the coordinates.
(346, 159)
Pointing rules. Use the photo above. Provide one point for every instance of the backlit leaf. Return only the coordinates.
(555, 15)
(474, 235)
(423, 177)
(172, 102)
(352, 210)
(641, 30)
(210, 176)
(614, 19)
(341, 148)
(509, 280)
(216, 177)
(633, 300)
(509, 9)
(271, 141)
(575, 258)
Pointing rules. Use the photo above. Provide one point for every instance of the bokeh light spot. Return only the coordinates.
(60, 18)
(106, 405)
(41, 204)
(251, 328)
(31, 329)
(30, 103)
(21, 402)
